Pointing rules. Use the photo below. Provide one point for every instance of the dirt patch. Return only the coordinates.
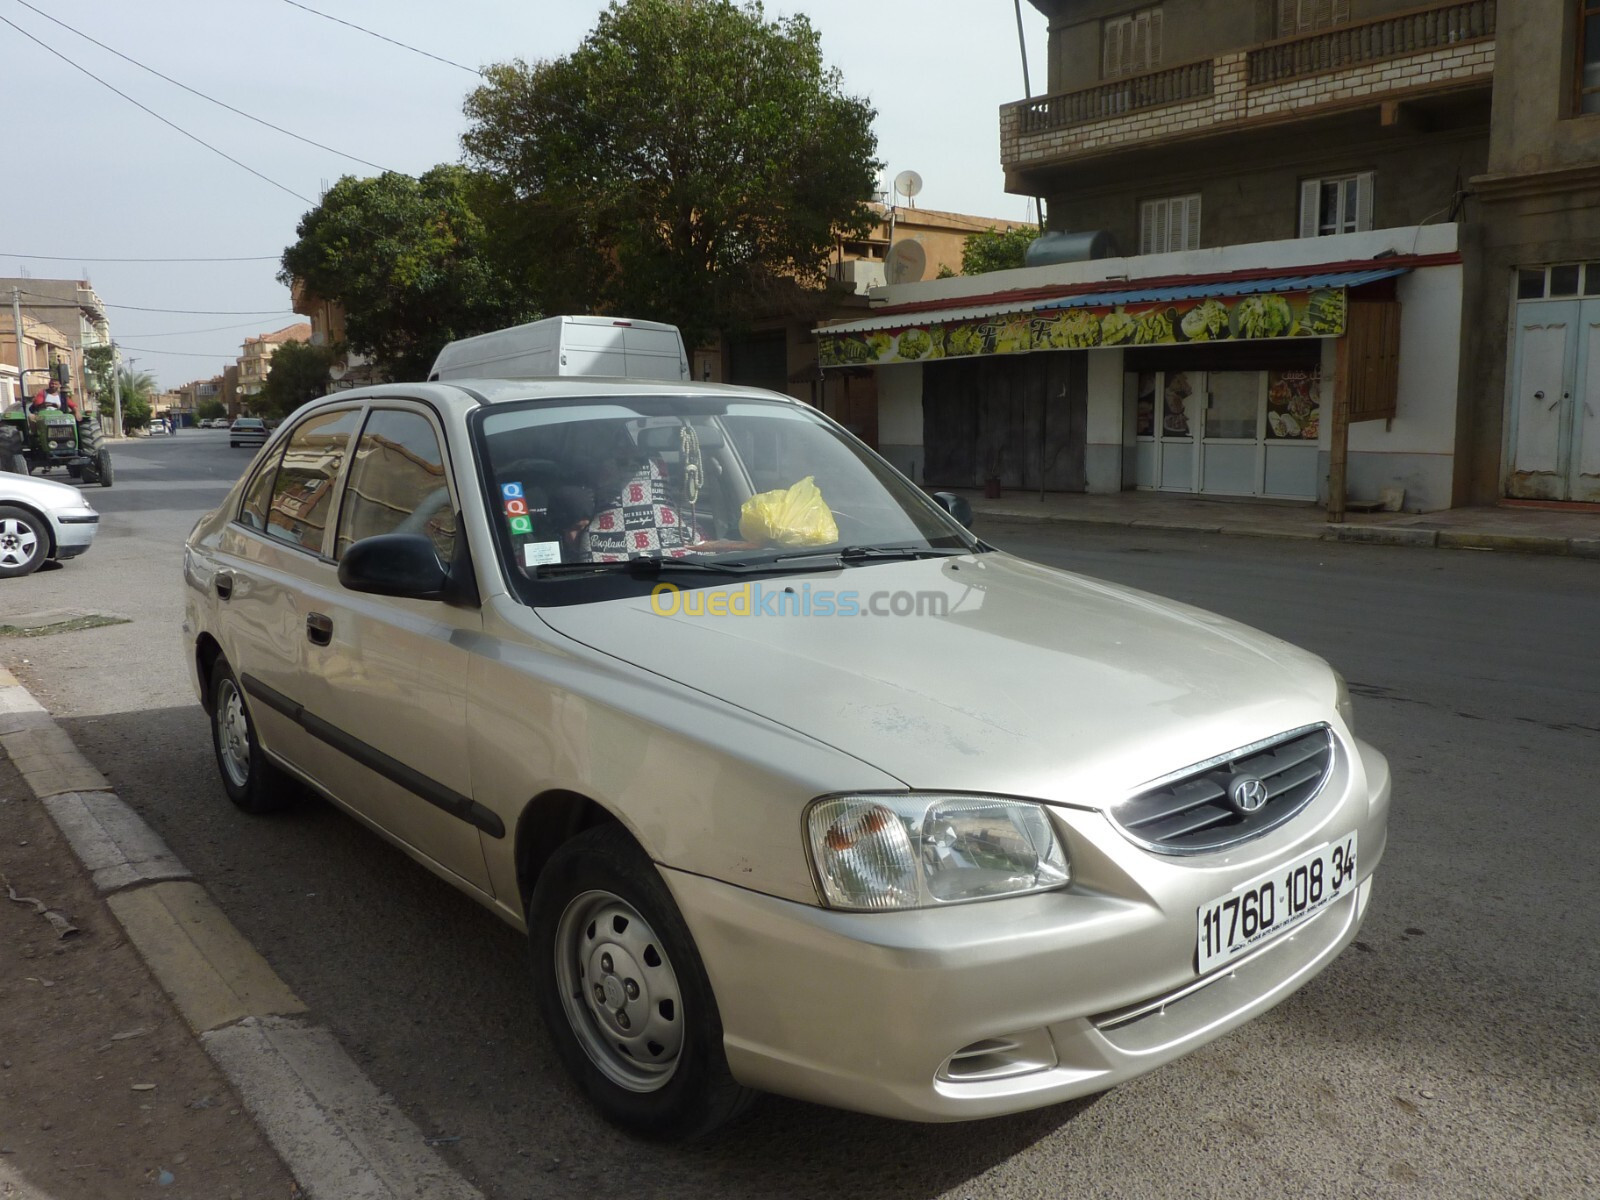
(104, 1091)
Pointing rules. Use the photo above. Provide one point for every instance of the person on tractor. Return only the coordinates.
(51, 397)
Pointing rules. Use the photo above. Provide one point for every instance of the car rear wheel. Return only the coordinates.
(252, 783)
(24, 542)
(624, 993)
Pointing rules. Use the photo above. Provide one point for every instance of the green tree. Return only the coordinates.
(98, 364)
(135, 413)
(210, 410)
(689, 157)
(299, 374)
(993, 250)
(409, 259)
(138, 389)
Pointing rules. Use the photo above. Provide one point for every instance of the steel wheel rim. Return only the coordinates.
(18, 542)
(620, 993)
(233, 734)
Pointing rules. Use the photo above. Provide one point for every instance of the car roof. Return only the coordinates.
(466, 394)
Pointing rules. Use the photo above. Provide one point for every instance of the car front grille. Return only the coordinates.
(1190, 811)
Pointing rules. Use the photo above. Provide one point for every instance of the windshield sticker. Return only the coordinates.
(538, 554)
(516, 508)
(521, 525)
(511, 491)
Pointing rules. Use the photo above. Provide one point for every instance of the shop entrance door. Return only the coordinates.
(1554, 433)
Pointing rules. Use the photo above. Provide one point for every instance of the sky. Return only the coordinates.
(91, 177)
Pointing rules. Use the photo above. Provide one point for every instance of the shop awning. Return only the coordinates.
(1248, 306)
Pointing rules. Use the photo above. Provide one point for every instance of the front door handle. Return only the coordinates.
(319, 629)
(222, 581)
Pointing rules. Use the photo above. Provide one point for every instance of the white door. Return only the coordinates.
(1554, 426)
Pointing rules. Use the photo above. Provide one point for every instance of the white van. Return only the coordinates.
(608, 346)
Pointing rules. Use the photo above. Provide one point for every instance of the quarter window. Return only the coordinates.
(397, 484)
(1169, 224)
(1336, 204)
(302, 494)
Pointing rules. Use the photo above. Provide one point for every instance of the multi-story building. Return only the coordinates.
(1343, 238)
(255, 358)
(327, 317)
(70, 306)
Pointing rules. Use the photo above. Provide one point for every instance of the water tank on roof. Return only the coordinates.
(1062, 247)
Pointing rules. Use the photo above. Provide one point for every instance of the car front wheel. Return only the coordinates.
(24, 542)
(252, 783)
(624, 993)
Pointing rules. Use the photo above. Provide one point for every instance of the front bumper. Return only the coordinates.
(995, 1007)
(74, 530)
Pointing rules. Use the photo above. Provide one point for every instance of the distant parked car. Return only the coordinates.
(41, 519)
(247, 431)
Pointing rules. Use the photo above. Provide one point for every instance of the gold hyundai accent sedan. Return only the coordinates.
(794, 784)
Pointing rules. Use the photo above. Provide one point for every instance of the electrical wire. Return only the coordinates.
(153, 113)
(202, 95)
(178, 353)
(93, 258)
(362, 29)
(183, 332)
(188, 312)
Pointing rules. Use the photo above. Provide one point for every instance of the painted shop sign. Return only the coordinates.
(1213, 319)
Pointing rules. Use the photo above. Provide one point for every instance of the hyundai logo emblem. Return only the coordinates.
(1247, 794)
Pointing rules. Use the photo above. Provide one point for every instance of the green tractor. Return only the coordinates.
(53, 438)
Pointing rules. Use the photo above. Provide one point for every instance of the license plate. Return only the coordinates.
(1272, 903)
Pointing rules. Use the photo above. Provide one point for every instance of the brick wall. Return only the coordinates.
(1233, 101)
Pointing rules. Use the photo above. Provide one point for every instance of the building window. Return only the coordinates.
(1306, 16)
(1132, 44)
(1336, 204)
(1169, 224)
(1558, 282)
(1589, 56)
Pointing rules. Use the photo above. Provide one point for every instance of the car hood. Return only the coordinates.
(1016, 678)
(44, 493)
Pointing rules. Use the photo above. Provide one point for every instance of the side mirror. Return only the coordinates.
(395, 564)
(958, 507)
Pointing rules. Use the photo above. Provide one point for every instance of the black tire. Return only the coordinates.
(12, 462)
(252, 782)
(602, 899)
(24, 542)
(90, 437)
(103, 466)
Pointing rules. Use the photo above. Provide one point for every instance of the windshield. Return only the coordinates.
(594, 500)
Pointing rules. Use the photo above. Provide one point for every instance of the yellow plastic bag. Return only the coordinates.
(791, 516)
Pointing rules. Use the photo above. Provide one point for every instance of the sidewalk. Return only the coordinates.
(1569, 531)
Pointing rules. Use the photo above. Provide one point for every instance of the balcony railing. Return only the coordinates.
(1192, 81)
(1372, 41)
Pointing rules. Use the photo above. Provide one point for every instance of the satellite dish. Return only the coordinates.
(337, 370)
(906, 263)
(908, 184)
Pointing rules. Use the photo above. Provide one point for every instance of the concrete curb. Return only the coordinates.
(340, 1138)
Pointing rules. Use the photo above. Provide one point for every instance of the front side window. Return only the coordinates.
(1169, 224)
(397, 484)
(257, 497)
(1588, 73)
(603, 499)
(302, 494)
(1336, 204)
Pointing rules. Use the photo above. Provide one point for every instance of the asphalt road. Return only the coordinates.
(1454, 1052)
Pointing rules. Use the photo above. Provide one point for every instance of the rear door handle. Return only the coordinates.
(222, 581)
(319, 629)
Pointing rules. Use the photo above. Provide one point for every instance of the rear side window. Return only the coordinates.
(302, 493)
(397, 484)
(253, 512)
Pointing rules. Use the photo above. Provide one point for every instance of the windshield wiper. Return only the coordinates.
(861, 554)
(644, 567)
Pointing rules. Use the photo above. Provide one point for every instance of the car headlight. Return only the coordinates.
(880, 853)
(1341, 701)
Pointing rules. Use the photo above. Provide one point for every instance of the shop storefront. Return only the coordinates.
(1221, 383)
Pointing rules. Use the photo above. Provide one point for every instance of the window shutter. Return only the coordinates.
(1111, 60)
(1191, 233)
(1310, 207)
(1364, 182)
(1341, 12)
(1153, 47)
(1150, 218)
(1288, 12)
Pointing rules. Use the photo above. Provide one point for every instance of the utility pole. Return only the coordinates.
(22, 366)
(116, 390)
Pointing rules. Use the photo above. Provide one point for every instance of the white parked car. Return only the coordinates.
(41, 519)
(794, 784)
